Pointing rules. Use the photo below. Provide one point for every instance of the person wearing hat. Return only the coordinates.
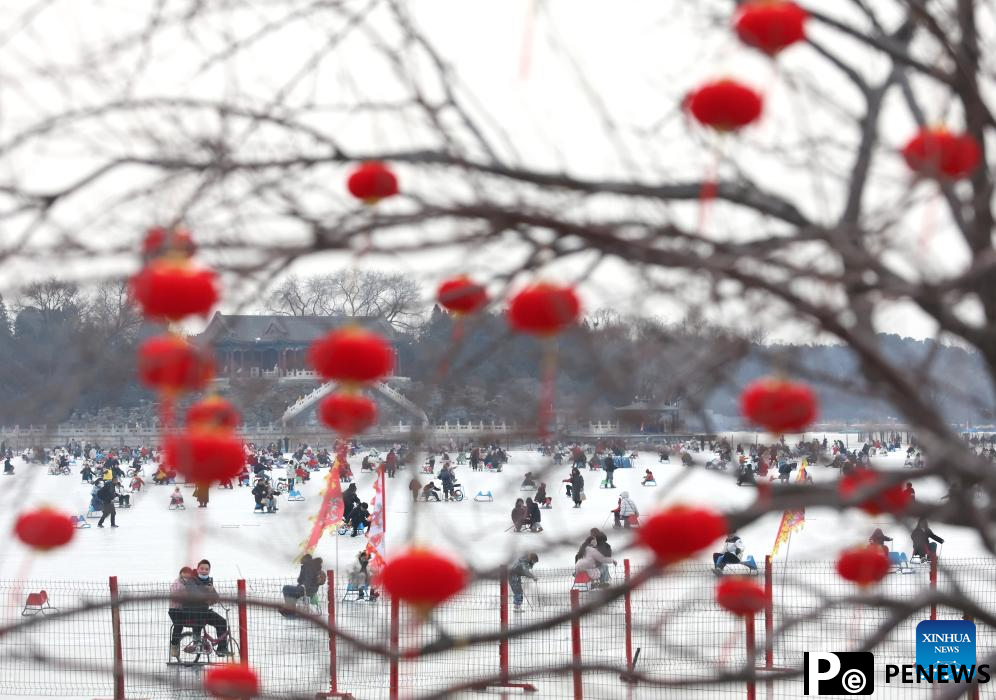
(523, 567)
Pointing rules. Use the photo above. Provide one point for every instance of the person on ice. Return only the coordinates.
(447, 479)
(309, 579)
(430, 490)
(541, 498)
(533, 516)
(176, 498)
(349, 501)
(879, 538)
(519, 515)
(359, 577)
(648, 476)
(733, 551)
(594, 563)
(921, 536)
(523, 567)
(360, 519)
(625, 512)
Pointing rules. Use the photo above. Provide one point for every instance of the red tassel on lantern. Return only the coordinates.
(372, 182)
(44, 528)
(159, 242)
(423, 578)
(863, 565)
(174, 289)
(352, 355)
(937, 153)
(779, 406)
(680, 531)
(347, 414)
(231, 681)
(770, 25)
(725, 105)
(213, 413)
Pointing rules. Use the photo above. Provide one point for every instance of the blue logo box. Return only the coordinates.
(945, 643)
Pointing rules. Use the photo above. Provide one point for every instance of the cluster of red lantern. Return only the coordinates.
(44, 528)
(213, 414)
(231, 681)
(864, 565)
(371, 182)
(892, 499)
(937, 153)
(422, 578)
(778, 405)
(680, 532)
(544, 309)
(740, 596)
(461, 295)
(352, 356)
(173, 289)
(171, 365)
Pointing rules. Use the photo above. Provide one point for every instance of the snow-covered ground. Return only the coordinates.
(152, 542)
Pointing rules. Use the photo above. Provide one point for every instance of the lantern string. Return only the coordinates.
(526, 51)
(929, 224)
(456, 339)
(548, 387)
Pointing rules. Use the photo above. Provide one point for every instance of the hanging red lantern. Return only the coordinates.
(937, 153)
(205, 457)
(159, 242)
(372, 181)
(779, 406)
(169, 363)
(352, 355)
(231, 681)
(461, 295)
(725, 105)
(770, 25)
(213, 413)
(863, 565)
(681, 531)
(544, 309)
(174, 289)
(740, 596)
(893, 499)
(422, 578)
(44, 528)
(347, 414)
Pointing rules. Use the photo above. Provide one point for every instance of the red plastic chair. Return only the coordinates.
(37, 603)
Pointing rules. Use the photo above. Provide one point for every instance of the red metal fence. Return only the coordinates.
(668, 632)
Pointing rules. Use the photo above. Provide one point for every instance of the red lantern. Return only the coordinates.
(863, 565)
(44, 528)
(779, 406)
(544, 309)
(422, 578)
(231, 681)
(893, 499)
(372, 182)
(205, 457)
(461, 295)
(770, 25)
(352, 355)
(740, 596)
(160, 241)
(169, 363)
(725, 105)
(174, 289)
(347, 414)
(938, 153)
(213, 413)
(679, 532)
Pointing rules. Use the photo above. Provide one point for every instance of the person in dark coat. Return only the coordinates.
(309, 579)
(577, 487)
(359, 518)
(523, 567)
(533, 515)
(203, 590)
(391, 463)
(201, 494)
(349, 501)
(609, 465)
(519, 515)
(921, 537)
(107, 494)
(415, 488)
(541, 494)
(447, 479)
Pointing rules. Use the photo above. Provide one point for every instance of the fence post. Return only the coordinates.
(333, 661)
(503, 618)
(119, 679)
(933, 584)
(769, 623)
(751, 648)
(395, 633)
(576, 646)
(628, 609)
(243, 623)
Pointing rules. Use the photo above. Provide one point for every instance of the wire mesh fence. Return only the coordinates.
(66, 642)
